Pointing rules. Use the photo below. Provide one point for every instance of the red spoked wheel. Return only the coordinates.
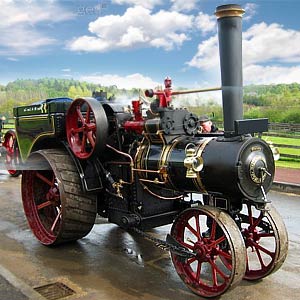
(220, 260)
(12, 159)
(266, 240)
(56, 209)
(86, 126)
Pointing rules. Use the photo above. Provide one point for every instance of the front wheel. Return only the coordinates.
(220, 261)
(266, 240)
(56, 209)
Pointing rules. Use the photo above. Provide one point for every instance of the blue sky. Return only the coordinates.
(138, 42)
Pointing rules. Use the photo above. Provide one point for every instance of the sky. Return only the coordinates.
(137, 43)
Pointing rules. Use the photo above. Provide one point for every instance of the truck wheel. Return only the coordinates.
(266, 241)
(220, 260)
(12, 159)
(56, 208)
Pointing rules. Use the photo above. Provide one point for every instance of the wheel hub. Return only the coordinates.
(204, 250)
(53, 195)
(251, 236)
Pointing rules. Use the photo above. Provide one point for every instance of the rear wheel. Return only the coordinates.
(12, 159)
(56, 209)
(220, 260)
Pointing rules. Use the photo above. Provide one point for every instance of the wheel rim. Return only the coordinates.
(12, 153)
(42, 204)
(86, 126)
(214, 269)
(266, 241)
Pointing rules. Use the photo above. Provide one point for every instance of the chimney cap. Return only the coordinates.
(229, 10)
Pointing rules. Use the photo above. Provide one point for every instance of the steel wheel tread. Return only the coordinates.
(192, 276)
(76, 211)
(278, 243)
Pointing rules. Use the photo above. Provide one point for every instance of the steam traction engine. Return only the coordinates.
(87, 156)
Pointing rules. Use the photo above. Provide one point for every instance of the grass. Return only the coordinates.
(282, 140)
(287, 164)
(283, 161)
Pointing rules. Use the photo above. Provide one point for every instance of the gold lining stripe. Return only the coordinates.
(175, 142)
(47, 133)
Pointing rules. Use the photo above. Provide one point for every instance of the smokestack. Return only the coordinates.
(230, 47)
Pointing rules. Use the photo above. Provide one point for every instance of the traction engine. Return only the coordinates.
(92, 156)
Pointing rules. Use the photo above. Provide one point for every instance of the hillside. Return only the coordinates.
(279, 103)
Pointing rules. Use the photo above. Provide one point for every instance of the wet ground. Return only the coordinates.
(111, 264)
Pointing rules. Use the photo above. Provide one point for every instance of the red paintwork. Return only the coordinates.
(254, 238)
(137, 125)
(81, 131)
(208, 250)
(42, 206)
(12, 152)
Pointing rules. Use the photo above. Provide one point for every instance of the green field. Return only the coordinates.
(284, 161)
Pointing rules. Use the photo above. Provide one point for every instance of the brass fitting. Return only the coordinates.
(193, 163)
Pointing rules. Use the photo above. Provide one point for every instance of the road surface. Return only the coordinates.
(112, 264)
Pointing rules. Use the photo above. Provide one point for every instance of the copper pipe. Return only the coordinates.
(127, 156)
(158, 196)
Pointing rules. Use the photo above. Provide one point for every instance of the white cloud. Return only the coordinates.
(205, 23)
(266, 50)
(12, 59)
(136, 28)
(145, 3)
(66, 70)
(183, 5)
(265, 43)
(250, 9)
(18, 33)
(271, 74)
(127, 82)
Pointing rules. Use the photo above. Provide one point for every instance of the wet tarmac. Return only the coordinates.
(111, 263)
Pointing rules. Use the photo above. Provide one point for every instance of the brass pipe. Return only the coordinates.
(197, 91)
(153, 181)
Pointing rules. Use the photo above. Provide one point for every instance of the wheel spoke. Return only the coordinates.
(55, 221)
(257, 246)
(225, 254)
(260, 258)
(257, 221)
(265, 234)
(79, 114)
(213, 230)
(77, 130)
(192, 230)
(191, 260)
(218, 241)
(44, 204)
(198, 271)
(217, 270)
(197, 225)
(214, 273)
(186, 245)
(87, 116)
(43, 178)
(83, 143)
(90, 138)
